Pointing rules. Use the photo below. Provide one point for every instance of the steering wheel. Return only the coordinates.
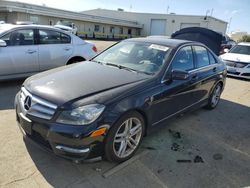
(149, 64)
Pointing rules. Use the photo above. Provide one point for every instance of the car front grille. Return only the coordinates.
(36, 106)
(236, 64)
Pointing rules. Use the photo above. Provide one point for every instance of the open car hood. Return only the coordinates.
(208, 37)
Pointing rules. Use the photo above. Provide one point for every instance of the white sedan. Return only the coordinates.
(238, 60)
(28, 49)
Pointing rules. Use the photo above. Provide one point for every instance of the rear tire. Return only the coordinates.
(75, 60)
(214, 97)
(124, 137)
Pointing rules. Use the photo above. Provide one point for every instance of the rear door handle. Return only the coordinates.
(30, 51)
(215, 69)
(67, 48)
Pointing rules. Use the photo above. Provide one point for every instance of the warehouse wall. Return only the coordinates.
(85, 29)
(173, 21)
(8, 17)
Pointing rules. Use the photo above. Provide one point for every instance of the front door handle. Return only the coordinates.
(194, 78)
(30, 51)
(214, 69)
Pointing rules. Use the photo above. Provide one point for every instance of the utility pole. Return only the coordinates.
(130, 8)
(206, 18)
(229, 25)
(212, 11)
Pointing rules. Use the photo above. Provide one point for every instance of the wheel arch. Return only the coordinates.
(75, 59)
(145, 117)
(139, 111)
(218, 82)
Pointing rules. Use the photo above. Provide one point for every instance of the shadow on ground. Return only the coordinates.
(8, 91)
(219, 138)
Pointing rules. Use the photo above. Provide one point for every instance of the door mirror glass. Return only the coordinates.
(179, 74)
(3, 43)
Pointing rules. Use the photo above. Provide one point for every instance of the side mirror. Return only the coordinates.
(3, 43)
(179, 75)
(226, 50)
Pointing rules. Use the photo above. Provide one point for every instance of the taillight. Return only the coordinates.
(94, 48)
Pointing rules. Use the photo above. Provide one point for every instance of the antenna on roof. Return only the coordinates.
(212, 11)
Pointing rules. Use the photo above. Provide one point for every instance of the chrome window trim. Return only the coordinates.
(204, 67)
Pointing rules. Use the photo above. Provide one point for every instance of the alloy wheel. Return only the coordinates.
(216, 95)
(127, 137)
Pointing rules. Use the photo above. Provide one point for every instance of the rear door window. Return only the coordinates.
(211, 58)
(201, 55)
(184, 59)
(53, 37)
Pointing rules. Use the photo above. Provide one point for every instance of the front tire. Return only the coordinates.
(124, 137)
(214, 98)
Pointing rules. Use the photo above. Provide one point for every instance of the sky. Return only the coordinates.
(235, 10)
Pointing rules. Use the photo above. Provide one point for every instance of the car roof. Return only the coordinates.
(162, 41)
(244, 43)
(7, 27)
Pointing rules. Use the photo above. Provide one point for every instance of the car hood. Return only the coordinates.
(79, 80)
(236, 57)
(208, 37)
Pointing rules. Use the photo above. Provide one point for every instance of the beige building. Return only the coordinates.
(237, 35)
(163, 24)
(102, 23)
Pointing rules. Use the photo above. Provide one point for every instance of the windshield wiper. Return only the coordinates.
(127, 68)
(99, 62)
(121, 67)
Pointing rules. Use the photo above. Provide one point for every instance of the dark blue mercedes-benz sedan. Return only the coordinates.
(104, 107)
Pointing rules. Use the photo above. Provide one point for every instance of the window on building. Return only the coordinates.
(129, 31)
(112, 29)
(34, 19)
(97, 28)
(184, 59)
(53, 37)
(138, 32)
(19, 38)
(121, 30)
(201, 56)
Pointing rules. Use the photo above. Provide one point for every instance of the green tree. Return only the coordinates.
(245, 38)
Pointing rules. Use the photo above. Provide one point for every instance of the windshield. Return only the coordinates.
(137, 56)
(241, 49)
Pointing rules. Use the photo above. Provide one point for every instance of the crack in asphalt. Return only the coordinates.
(21, 179)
